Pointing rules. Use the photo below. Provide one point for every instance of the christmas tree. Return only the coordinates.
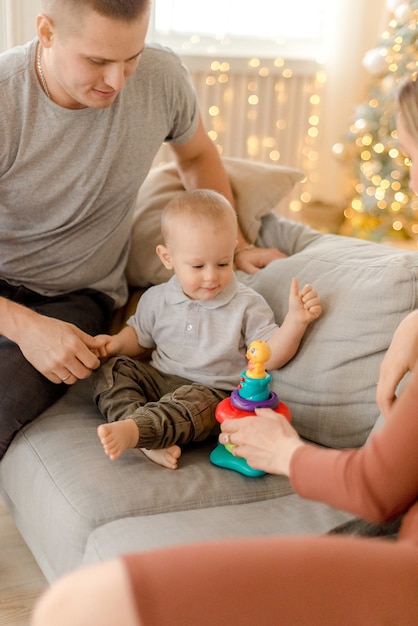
(383, 206)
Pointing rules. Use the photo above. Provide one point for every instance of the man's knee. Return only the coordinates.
(25, 393)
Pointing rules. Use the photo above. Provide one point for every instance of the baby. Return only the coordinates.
(198, 326)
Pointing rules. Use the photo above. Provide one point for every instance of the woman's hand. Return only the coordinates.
(400, 358)
(266, 441)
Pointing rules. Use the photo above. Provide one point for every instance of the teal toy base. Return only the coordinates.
(222, 458)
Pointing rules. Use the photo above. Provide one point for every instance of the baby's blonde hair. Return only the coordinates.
(200, 206)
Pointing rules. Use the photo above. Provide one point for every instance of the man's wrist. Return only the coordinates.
(14, 318)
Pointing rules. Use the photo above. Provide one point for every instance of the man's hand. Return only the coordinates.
(59, 350)
(251, 259)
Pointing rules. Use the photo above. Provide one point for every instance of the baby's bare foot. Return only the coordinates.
(117, 437)
(167, 457)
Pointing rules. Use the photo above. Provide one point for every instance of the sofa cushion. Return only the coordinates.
(253, 201)
(290, 515)
(61, 486)
(365, 290)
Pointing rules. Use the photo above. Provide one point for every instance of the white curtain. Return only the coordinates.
(361, 22)
(18, 23)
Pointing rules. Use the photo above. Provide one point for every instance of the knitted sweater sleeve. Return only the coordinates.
(377, 481)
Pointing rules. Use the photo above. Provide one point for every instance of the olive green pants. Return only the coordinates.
(167, 409)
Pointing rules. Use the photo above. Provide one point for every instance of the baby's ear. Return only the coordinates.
(165, 256)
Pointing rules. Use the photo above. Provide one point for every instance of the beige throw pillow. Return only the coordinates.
(257, 188)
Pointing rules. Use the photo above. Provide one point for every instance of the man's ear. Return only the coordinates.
(165, 256)
(45, 29)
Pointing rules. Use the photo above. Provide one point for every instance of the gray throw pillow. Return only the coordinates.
(366, 289)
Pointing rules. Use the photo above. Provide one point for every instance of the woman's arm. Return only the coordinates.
(377, 481)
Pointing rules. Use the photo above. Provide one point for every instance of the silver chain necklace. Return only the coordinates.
(40, 71)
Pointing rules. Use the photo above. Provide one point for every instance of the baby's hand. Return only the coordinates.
(304, 304)
(102, 346)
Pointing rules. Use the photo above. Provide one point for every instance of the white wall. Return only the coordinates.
(18, 21)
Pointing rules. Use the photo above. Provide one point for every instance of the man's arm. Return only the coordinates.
(200, 166)
(57, 349)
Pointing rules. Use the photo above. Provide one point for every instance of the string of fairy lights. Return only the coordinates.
(273, 115)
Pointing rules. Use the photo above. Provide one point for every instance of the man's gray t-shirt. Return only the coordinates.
(69, 178)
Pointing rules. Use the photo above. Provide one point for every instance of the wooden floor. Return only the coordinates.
(21, 580)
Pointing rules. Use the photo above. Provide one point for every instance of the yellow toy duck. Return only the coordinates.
(257, 354)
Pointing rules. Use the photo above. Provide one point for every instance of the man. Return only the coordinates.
(83, 110)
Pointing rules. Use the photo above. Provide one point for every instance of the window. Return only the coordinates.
(266, 28)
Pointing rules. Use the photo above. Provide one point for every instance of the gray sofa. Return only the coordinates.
(73, 506)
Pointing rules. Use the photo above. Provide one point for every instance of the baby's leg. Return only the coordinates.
(167, 457)
(118, 437)
(183, 414)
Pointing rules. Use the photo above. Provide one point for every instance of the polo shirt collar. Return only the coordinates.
(176, 295)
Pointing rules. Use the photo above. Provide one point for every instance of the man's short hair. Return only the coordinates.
(117, 9)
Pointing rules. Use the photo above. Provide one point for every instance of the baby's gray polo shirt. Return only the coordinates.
(204, 341)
